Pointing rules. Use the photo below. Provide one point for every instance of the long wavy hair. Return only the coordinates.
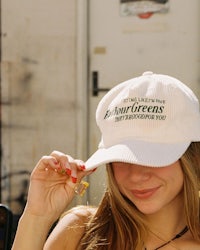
(118, 224)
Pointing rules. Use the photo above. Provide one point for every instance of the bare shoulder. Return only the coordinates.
(194, 245)
(70, 229)
(190, 244)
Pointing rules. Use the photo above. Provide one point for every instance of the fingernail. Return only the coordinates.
(74, 179)
(55, 162)
(82, 167)
(68, 171)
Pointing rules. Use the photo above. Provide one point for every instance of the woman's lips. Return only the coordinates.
(144, 193)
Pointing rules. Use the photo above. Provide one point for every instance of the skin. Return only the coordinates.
(157, 192)
(52, 189)
(151, 189)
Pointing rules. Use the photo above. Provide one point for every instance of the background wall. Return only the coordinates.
(43, 92)
(39, 101)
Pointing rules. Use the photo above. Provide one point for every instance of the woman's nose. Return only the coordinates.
(139, 173)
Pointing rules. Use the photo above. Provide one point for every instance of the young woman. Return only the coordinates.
(150, 144)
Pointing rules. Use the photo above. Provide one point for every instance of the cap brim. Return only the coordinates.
(138, 152)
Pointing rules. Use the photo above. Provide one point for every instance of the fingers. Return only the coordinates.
(63, 164)
(74, 168)
(47, 162)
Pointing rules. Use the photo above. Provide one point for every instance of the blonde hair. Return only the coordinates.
(190, 163)
(118, 224)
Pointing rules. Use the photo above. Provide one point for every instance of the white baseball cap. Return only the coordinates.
(149, 120)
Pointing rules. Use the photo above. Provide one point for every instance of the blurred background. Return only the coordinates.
(58, 58)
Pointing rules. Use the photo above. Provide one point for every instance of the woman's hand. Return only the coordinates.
(50, 192)
(52, 185)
